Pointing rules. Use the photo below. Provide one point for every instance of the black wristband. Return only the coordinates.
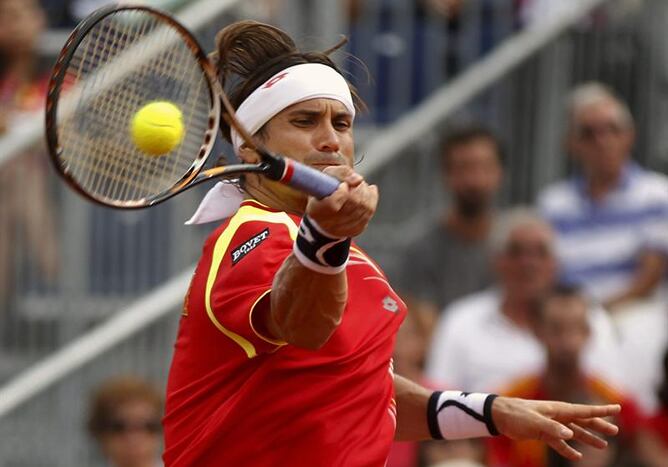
(317, 250)
(432, 419)
(487, 413)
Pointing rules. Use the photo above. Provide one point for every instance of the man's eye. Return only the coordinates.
(302, 121)
(342, 125)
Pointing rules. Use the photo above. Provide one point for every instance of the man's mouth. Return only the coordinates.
(324, 165)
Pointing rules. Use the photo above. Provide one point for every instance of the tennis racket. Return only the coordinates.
(119, 59)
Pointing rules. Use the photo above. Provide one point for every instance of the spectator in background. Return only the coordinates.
(611, 219)
(124, 419)
(413, 47)
(563, 329)
(451, 260)
(25, 209)
(653, 436)
(485, 340)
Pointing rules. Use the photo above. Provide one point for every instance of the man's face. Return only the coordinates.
(473, 174)
(316, 132)
(21, 23)
(564, 330)
(526, 268)
(601, 139)
(132, 436)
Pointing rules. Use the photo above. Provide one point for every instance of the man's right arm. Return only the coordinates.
(306, 306)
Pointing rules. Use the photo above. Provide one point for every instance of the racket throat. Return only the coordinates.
(277, 168)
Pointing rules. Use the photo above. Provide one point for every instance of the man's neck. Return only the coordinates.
(472, 229)
(519, 311)
(564, 383)
(254, 189)
(599, 187)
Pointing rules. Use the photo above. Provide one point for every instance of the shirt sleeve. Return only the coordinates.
(245, 260)
(655, 231)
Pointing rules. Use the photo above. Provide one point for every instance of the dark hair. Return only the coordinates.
(112, 394)
(559, 290)
(468, 134)
(248, 53)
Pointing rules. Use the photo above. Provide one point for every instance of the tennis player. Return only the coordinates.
(284, 350)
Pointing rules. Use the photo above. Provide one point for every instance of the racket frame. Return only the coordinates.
(273, 166)
(75, 38)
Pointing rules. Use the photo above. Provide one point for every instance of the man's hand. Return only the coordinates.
(554, 423)
(347, 211)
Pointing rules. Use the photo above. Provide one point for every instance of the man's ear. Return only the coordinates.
(248, 155)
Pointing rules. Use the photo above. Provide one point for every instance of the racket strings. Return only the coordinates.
(93, 175)
(128, 59)
(103, 165)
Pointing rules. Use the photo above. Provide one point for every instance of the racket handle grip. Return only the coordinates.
(308, 179)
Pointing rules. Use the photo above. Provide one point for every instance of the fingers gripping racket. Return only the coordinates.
(115, 62)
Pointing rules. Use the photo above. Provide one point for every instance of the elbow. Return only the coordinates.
(311, 332)
(314, 336)
(307, 319)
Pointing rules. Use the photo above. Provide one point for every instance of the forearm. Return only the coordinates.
(412, 400)
(306, 306)
(424, 414)
(651, 269)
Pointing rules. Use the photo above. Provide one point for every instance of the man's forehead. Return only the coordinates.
(604, 108)
(317, 105)
(531, 232)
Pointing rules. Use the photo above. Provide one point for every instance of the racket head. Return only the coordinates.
(116, 61)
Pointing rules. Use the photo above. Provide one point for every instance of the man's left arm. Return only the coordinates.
(423, 414)
(649, 272)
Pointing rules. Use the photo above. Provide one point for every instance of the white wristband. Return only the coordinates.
(459, 415)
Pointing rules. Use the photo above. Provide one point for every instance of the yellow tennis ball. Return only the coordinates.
(157, 128)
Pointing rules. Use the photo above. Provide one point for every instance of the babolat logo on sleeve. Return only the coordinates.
(246, 247)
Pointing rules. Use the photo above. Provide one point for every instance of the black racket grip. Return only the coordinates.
(300, 176)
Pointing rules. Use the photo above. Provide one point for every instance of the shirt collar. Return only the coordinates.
(630, 172)
(220, 202)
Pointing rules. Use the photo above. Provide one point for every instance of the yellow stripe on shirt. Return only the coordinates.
(245, 214)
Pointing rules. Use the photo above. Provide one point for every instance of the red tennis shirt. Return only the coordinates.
(236, 398)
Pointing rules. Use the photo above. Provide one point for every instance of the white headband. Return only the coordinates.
(290, 86)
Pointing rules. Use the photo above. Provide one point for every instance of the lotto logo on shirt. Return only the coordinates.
(246, 247)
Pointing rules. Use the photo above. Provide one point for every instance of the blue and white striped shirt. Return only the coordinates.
(599, 242)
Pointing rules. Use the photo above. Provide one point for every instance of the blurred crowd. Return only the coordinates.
(562, 297)
(565, 299)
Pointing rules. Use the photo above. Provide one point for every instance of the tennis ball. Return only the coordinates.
(157, 128)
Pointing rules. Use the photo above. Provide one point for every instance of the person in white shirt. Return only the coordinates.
(486, 339)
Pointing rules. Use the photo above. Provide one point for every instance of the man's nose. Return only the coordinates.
(327, 138)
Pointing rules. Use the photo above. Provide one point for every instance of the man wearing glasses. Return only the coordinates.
(611, 217)
(124, 419)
